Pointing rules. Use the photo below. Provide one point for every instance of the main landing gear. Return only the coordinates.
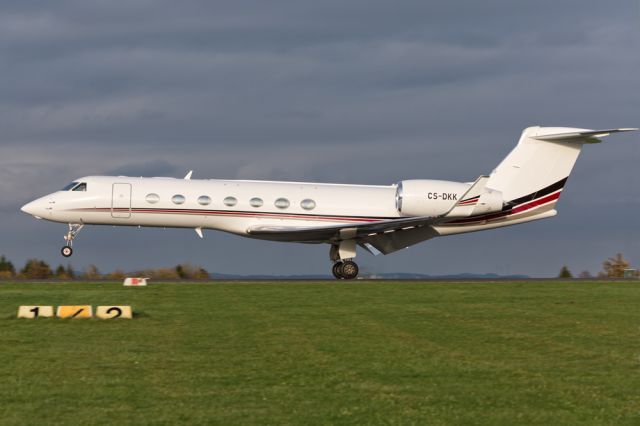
(342, 254)
(347, 270)
(74, 230)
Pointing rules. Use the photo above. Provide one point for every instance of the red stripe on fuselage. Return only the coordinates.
(535, 203)
(240, 214)
(499, 215)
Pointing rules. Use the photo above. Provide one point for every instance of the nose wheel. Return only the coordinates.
(74, 230)
(346, 270)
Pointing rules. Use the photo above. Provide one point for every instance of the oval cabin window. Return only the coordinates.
(152, 198)
(230, 201)
(308, 204)
(204, 200)
(256, 202)
(282, 203)
(178, 199)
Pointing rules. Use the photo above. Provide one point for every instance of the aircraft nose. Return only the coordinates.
(28, 208)
(34, 208)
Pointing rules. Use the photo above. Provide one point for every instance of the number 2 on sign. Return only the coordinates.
(117, 311)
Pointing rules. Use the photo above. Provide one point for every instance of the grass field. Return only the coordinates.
(326, 353)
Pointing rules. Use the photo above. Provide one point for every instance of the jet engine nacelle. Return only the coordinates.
(428, 197)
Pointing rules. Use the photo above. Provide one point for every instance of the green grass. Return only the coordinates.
(326, 353)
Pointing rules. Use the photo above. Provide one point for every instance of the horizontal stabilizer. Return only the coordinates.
(586, 135)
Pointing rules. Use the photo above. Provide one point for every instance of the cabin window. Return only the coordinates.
(282, 203)
(81, 187)
(230, 201)
(256, 202)
(68, 187)
(308, 204)
(152, 198)
(204, 200)
(178, 199)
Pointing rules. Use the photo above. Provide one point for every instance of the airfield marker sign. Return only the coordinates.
(112, 312)
(33, 312)
(75, 311)
(135, 282)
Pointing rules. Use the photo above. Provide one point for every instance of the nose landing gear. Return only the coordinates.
(74, 230)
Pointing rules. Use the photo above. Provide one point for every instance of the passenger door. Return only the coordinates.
(121, 200)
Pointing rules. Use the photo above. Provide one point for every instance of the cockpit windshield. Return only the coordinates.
(68, 187)
(76, 186)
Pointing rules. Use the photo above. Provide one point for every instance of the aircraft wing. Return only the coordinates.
(385, 236)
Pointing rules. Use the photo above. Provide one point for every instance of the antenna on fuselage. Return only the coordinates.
(188, 176)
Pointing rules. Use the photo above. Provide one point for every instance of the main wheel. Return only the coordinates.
(336, 270)
(349, 270)
(66, 251)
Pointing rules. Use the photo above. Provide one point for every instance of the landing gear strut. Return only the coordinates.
(74, 230)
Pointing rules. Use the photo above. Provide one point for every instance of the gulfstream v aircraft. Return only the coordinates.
(380, 219)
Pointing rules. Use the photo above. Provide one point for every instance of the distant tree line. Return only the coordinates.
(36, 269)
(613, 267)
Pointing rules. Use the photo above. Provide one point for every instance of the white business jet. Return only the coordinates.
(380, 219)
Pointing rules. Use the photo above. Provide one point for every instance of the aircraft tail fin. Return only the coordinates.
(542, 161)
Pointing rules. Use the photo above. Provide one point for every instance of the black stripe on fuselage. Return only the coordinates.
(540, 193)
(510, 205)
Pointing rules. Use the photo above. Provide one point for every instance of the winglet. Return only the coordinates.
(188, 176)
(199, 232)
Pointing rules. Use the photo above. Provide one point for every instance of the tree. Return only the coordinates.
(565, 273)
(91, 273)
(191, 272)
(6, 268)
(36, 269)
(161, 274)
(116, 275)
(585, 274)
(181, 272)
(614, 266)
(202, 274)
(70, 272)
(61, 273)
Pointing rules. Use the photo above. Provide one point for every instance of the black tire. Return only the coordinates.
(66, 251)
(337, 270)
(349, 270)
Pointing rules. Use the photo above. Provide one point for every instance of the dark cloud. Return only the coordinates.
(355, 92)
(147, 168)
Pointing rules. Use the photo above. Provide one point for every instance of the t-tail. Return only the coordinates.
(531, 178)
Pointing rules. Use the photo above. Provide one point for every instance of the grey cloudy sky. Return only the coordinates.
(341, 91)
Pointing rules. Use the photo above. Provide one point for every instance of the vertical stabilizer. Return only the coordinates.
(536, 163)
